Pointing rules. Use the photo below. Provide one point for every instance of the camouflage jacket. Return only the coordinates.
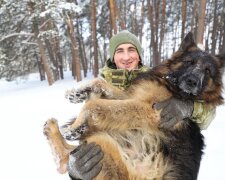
(120, 78)
(203, 114)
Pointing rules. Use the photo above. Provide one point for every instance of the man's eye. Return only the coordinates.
(132, 50)
(119, 51)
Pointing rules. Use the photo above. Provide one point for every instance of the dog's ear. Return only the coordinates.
(187, 42)
(221, 58)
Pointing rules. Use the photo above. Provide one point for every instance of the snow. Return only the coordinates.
(27, 103)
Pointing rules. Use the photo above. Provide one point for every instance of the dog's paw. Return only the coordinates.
(50, 127)
(78, 95)
(75, 134)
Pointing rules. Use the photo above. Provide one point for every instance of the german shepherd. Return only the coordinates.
(127, 128)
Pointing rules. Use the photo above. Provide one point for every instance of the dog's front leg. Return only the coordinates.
(97, 88)
(121, 115)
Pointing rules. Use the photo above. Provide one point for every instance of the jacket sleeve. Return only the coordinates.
(203, 114)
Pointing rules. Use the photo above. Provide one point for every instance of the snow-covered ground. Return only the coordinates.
(26, 104)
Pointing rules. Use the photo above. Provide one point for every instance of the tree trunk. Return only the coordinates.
(193, 16)
(43, 56)
(58, 56)
(125, 12)
(112, 12)
(52, 59)
(162, 28)
(142, 21)
(81, 47)
(153, 16)
(201, 22)
(83, 57)
(94, 37)
(223, 30)
(74, 49)
(121, 23)
(135, 24)
(40, 68)
(214, 30)
(183, 14)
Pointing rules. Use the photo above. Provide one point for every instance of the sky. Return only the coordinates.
(26, 104)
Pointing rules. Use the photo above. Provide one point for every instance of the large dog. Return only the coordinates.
(127, 128)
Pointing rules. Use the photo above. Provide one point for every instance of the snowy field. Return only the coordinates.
(25, 104)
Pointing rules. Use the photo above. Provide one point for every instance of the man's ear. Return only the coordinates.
(221, 58)
(187, 42)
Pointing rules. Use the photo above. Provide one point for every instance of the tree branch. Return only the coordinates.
(16, 34)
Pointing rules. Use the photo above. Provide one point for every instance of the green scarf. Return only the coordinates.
(120, 78)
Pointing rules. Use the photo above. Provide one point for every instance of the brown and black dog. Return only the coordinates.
(127, 128)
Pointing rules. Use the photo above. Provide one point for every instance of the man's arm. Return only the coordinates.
(203, 114)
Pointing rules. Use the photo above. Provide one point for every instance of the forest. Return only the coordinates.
(51, 36)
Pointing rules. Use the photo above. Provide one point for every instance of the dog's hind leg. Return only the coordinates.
(59, 147)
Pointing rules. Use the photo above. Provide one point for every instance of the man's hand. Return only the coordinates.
(173, 110)
(84, 161)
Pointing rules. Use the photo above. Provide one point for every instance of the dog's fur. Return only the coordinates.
(126, 126)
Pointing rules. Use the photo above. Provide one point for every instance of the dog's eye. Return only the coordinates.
(207, 70)
(189, 62)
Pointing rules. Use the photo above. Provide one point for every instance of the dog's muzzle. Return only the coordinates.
(190, 84)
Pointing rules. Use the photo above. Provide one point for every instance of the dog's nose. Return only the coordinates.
(191, 81)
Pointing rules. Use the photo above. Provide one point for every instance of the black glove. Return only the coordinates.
(84, 161)
(173, 110)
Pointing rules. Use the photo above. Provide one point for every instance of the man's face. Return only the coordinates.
(126, 57)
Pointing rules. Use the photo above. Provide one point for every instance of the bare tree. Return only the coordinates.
(142, 20)
(82, 50)
(223, 31)
(214, 28)
(118, 15)
(43, 57)
(58, 56)
(153, 16)
(113, 15)
(162, 27)
(194, 14)
(201, 22)
(76, 69)
(94, 37)
(183, 14)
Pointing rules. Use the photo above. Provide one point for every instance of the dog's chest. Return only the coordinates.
(141, 150)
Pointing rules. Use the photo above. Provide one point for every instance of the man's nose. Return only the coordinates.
(126, 55)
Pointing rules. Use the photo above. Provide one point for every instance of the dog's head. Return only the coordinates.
(195, 74)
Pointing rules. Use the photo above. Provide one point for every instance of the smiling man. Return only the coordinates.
(125, 60)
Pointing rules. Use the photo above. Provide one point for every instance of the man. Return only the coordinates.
(124, 65)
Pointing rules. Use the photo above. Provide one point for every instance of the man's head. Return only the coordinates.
(125, 50)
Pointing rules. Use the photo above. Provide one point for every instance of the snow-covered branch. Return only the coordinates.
(16, 34)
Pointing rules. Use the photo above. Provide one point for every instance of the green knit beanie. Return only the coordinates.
(121, 38)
